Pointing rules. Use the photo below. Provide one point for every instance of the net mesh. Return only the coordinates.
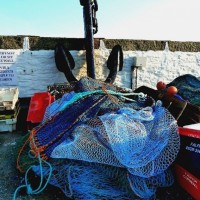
(188, 87)
(145, 142)
(104, 146)
(146, 187)
(88, 84)
(49, 134)
(83, 180)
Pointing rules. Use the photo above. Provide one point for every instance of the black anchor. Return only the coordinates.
(64, 60)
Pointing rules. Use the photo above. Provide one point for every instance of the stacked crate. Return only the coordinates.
(187, 165)
(9, 109)
(38, 104)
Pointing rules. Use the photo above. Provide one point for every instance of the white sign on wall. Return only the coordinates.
(8, 74)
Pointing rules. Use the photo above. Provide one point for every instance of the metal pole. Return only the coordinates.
(89, 40)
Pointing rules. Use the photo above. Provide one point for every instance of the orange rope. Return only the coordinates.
(18, 157)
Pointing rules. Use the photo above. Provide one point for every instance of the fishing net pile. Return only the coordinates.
(188, 87)
(103, 142)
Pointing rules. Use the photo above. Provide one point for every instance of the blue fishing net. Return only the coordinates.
(88, 84)
(52, 132)
(145, 142)
(82, 180)
(146, 187)
(104, 145)
(90, 181)
(188, 87)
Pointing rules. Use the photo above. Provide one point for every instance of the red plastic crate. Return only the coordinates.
(38, 104)
(187, 166)
(188, 181)
(189, 132)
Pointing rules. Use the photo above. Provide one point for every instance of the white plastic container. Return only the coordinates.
(8, 98)
(8, 125)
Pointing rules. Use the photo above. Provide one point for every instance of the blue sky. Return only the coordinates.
(121, 19)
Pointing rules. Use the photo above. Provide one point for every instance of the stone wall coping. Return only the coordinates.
(48, 43)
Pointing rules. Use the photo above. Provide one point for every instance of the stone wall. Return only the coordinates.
(47, 43)
(36, 67)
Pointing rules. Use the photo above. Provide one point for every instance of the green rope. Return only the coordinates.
(83, 94)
